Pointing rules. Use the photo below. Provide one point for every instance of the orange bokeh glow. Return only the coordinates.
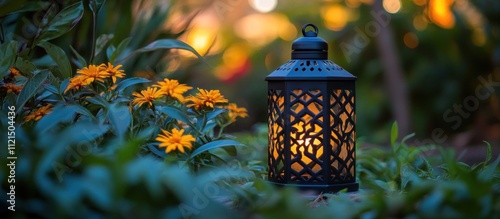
(440, 13)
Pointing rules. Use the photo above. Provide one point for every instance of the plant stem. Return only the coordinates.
(2, 36)
(221, 129)
(94, 30)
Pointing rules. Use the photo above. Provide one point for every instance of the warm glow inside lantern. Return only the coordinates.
(311, 119)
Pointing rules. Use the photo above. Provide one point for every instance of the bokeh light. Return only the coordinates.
(410, 40)
(420, 22)
(287, 32)
(440, 13)
(263, 6)
(200, 38)
(235, 63)
(420, 2)
(392, 6)
(261, 29)
(335, 16)
(353, 3)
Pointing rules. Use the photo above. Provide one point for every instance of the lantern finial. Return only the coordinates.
(310, 33)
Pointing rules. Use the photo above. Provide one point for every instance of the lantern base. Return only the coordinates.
(351, 187)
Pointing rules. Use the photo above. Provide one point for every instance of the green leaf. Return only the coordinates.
(30, 89)
(394, 133)
(119, 117)
(82, 110)
(231, 150)
(8, 52)
(488, 173)
(407, 137)
(215, 113)
(176, 114)
(81, 61)
(51, 88)
(129, 82)
(19, 6)
(119, 50)
(488, 153)
(153, 147)
(165, 44)
(59, 56)
(59, 114)
(25, 67)
(95, 5)
(81, 132)
(98, 101)
(63, 22)
(11, 7)
(214, 145)
(63, 86)
(101, 42)
(109, 52)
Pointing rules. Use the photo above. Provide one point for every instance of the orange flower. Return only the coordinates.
(13, 88)
(77, 82)
(113, 71)
(92, 73)
(206, 99)
(14, 71)
(147, 96)
(38, 113)
(235, 111)
(173, 89)
(175, 140)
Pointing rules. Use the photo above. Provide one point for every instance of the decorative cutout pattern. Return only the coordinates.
(343, 136)
(315, 123)
(306, 137)
(276, 135)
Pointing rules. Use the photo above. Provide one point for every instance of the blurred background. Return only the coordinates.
(431, 65)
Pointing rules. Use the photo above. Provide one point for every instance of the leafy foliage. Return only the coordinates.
(59, 179)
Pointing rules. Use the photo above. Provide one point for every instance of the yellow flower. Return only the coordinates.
(235, 111)
(13, 88)
(38, 113)
(14, 71)
(206, 99)
(175, 140)
(113, 71)
(93, 73)
(173, 89)
(77, 82)
(147, 96)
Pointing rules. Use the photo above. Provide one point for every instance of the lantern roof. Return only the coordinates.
(310, 61)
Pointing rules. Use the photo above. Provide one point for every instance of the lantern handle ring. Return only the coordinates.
(310, 33)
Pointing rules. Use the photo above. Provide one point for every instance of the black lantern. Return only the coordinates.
(311, 120)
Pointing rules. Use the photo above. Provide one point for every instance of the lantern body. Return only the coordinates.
(311, 122)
